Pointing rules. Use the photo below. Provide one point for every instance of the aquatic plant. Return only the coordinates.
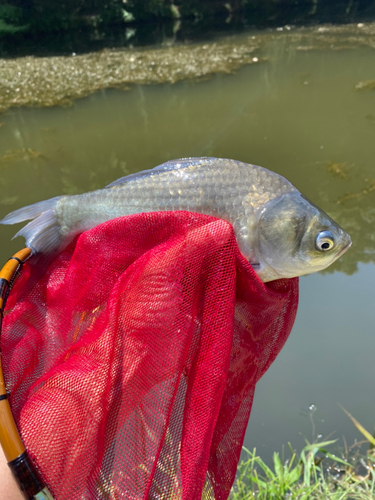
(313, 474)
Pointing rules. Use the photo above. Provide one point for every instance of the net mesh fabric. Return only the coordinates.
(132, 361)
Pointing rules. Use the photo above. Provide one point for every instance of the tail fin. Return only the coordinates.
(42, 234)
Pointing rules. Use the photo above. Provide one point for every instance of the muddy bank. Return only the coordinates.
(51, 81)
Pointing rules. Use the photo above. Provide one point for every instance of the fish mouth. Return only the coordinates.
(346, 247)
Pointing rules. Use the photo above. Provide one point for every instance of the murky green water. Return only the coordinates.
(299, 114)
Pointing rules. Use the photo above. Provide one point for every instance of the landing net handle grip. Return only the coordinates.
(22, 467)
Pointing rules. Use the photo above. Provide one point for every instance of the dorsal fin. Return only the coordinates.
(164, 167)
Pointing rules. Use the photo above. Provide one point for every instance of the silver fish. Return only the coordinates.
(279, 231)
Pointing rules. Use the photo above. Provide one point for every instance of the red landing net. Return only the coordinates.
(132, 362)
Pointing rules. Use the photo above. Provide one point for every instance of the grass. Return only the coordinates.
(312, 474)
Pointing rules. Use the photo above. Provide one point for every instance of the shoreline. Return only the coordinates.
(59, 80)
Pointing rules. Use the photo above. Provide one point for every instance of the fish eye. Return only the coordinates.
(324, 241)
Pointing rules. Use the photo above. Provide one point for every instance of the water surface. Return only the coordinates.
(297, 113)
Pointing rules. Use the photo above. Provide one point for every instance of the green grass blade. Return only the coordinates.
(337, 459)
(294, 475)
(318, 445)
(370, 438)
(279, 469)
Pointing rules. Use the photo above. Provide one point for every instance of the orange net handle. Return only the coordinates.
(9, 437)
(22, 467)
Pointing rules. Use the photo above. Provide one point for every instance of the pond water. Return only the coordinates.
(297, 112)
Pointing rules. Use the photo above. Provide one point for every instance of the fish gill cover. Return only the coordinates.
(132, 361)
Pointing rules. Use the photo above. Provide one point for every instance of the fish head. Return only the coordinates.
(295, 237)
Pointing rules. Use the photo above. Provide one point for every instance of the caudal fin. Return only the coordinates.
(42, 234)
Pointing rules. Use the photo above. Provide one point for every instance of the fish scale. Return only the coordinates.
(245, 195)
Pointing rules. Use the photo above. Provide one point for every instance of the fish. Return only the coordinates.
(278, 230)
